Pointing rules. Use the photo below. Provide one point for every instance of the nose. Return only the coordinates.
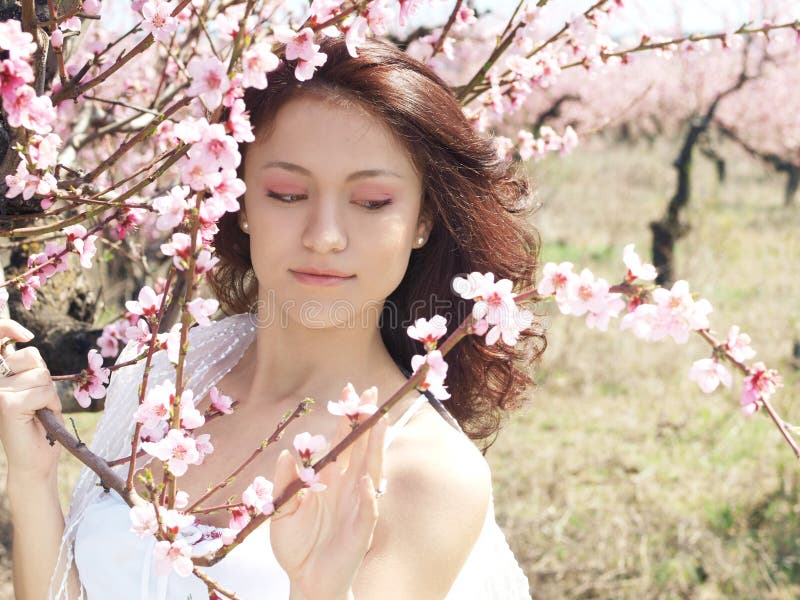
(324, 231)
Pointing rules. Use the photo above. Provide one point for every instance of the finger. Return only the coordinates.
(285, 473)
(9, 328)
(342, 429)
(376, 453)
(32, 378)
(25, 359)
(356, 466)
(367, 515)
(27, 402)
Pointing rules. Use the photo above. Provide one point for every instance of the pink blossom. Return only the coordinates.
(90, 385)
(14, 72)
(51, 261)
(157, 406)
(108, 343)
(759, 385)
(199, 174)
(204, 446)
(190, 130)
(18, 43)
(308, 445)
(201, 309)
(174, 521)
(240, 517)
(258, 495)
(44, 150)
(556, 281)
(220, 401)
(257, 61)
(82, 243)
(171, 208)
(209, 79)
(311, 479)
(86, 250)
(28, 289)
(709, 373)
(173, 342)
(238, 124)
(178, 449)
(143, 520)
(216, 148)
(494, 300)
(205, 262)
(179, 248)
(71, 24)
(173, 555)
(508, 327)
(91, 7)
(356, 35)
(605, 306)
(301, 46)
(637, 269)
(569, 141)
(158, 19)
(738, 345)
(228, 190)
(324, 10)
(26, 109)
(181, 499)
(57, 38)
(148, 303)
(679, 313)
(191, 418)
(351, 405)
(378, 13)
(435, 377)
(21, 182)
(139, 333)
(428, 332)
(407, 9)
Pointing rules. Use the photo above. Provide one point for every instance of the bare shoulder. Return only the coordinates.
(429, 454)
(436, 501)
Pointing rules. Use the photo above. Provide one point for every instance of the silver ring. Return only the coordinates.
(5, 370)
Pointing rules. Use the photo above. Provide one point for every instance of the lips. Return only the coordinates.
(322, 272)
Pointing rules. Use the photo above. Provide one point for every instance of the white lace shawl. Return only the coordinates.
(213, 351)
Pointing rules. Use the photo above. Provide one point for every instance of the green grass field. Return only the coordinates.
(621, 479)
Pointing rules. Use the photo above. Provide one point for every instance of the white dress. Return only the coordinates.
(113, 562)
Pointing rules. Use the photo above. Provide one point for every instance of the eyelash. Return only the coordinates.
(291, 198)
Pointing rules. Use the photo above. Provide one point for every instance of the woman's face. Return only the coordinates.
(330, 189)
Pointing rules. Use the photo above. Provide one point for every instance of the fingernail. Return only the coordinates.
(28, 333)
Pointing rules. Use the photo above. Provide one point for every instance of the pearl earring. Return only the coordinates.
(245, 226)
(420, 240)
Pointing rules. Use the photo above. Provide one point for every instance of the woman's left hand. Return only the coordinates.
(320, 538)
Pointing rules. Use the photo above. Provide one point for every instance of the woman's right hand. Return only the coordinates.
(30, 455)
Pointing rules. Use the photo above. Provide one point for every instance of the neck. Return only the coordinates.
(290, 361)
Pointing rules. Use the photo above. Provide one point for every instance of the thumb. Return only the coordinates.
(285, 473)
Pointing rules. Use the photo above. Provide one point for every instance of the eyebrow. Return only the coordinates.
(355, 175)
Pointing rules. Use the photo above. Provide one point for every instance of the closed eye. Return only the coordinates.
(375, 204)
(288, 198)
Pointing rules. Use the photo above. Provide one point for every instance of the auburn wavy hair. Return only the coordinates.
(479, 206)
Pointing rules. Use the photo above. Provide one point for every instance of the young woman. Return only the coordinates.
(367, 192)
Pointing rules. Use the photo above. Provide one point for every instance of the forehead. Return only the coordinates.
(325, 135)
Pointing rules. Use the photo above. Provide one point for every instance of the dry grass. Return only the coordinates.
(621, 479)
